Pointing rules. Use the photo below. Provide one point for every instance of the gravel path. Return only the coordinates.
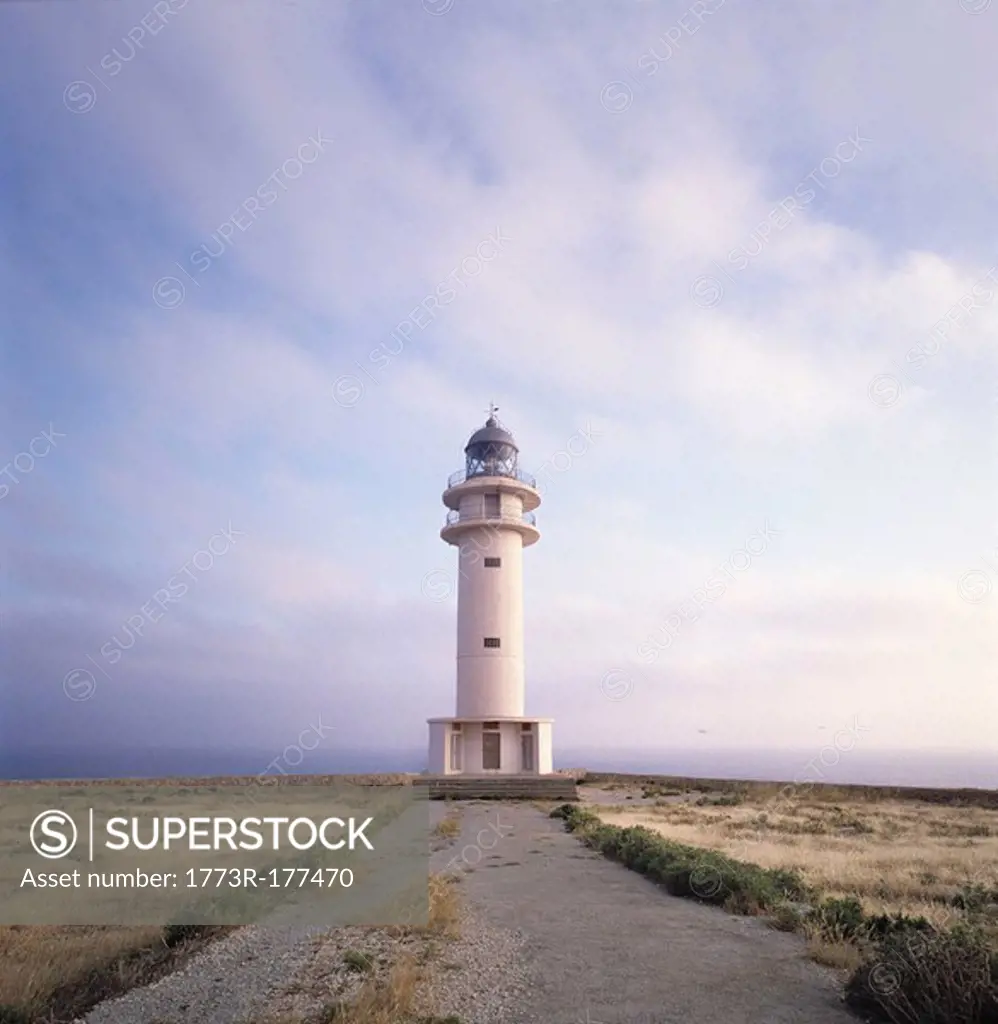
(603, 945)
(482, 975)
(553, 933)
(224, 984)
(235, 979)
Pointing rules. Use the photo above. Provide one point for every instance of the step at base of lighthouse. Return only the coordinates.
(494, 746)
(559, 788)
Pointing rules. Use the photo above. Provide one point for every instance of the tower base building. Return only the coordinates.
(490, 521)
(493, 746)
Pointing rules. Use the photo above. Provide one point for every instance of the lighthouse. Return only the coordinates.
(490, 521)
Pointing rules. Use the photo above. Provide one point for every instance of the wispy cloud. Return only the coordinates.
(299, 365)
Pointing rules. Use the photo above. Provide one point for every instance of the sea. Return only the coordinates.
(945, 769)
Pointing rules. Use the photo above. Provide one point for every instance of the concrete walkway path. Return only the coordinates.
(606, 946)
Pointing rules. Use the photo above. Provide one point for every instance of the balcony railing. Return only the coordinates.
(497, 517)
(462, 474)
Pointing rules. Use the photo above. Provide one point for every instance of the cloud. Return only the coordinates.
(711, 416)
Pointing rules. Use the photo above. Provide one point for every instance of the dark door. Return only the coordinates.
(527, 752)
(490, 751)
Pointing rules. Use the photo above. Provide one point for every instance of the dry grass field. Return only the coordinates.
(899, 889)
(894, 856)
(52, 972)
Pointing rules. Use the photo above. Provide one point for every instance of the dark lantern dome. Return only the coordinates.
(491, 450)
(491, 434)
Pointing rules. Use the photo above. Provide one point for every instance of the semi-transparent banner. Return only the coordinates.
(151, 853)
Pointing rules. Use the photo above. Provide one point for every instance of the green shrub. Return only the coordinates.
(878, 926)
(724, 800)
(856, 826)
(790, 884)
(930, 978)
(786, 917)
(975, 897)
(811, 827)
(358, 961)
(173, 934)
(643, 860)
(683, 870)
(14, 1015)
(840, 917)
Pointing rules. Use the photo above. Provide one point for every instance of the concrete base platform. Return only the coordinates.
(499, 787)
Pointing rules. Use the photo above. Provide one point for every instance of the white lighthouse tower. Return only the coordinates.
(491, 520)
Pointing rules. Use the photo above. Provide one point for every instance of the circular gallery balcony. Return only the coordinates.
(494, 480)
(457, 524)
(462, 474)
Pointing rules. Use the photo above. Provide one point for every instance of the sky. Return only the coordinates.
(727, 270)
